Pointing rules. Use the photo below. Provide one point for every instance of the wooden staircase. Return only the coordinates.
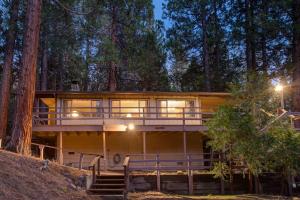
(109, 186)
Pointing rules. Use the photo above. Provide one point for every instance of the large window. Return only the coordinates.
(176, 108)
(81, 108)
(128, 108)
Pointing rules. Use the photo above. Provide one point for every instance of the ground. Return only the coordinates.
(24, 178)
(161, 196)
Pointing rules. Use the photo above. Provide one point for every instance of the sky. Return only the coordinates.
(158, 11)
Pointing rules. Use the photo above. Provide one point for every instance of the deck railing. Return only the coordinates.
(185, 164)
(142, 116)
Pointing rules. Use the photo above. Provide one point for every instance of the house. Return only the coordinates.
(116, 124)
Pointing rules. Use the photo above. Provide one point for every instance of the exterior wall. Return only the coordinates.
(74, 143)
(168, 145)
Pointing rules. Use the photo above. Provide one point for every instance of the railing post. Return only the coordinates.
(126, 175)
(157, 173)
(94, 174)
(41, 147)
(144, 117)
(190, 175)
(183, 115)
(98, 167)
(80, 161)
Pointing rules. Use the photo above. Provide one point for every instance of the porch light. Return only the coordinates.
(129, 115)
(278, 88)
(131, 127)
(75, 113)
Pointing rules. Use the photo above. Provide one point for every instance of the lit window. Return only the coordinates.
(128, 108)
(176, 108)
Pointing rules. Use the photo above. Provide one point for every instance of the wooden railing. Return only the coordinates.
(92, 166)
(160, 163)
(41, 155)
(182, 116)
(126, 175)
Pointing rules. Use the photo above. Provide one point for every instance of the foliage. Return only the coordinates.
(237, 130)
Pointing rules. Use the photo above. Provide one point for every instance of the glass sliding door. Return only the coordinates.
(75, 108)
(128, 108)
(176, 108)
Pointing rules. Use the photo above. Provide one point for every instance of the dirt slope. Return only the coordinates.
(22, 178)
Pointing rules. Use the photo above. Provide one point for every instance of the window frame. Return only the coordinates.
(120, 115)
(97, 113)
(158, 107)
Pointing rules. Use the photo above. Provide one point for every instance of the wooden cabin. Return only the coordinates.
(116, 124)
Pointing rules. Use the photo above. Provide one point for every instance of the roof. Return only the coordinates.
(50, 94)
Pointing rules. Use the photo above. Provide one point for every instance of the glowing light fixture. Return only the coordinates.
(129, 115)
(131, 127)
(75, 113)
(278, 88)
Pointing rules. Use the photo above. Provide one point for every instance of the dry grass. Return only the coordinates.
(21, 178)
(162, 196)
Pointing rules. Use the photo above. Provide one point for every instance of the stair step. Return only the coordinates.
(109, 184)
(109, 181)
(110, 176)
(106, 190)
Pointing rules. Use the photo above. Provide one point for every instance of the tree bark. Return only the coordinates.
(7, 68)
(250, 44)
(87, 63)
(296, 57)
(112, 79)
(22, 127)
(44, 70)
(205, 50)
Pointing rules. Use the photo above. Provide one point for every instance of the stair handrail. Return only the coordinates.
(126, 175)
(92, 166)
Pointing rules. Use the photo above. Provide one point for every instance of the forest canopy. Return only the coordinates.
(119, 45)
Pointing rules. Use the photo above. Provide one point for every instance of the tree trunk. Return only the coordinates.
(250, 44)
(296, 58)
(7, 68)
(112, 79)
(205, 50)
(22, 127)
(87, 62)
(44, 70)
(217, 39)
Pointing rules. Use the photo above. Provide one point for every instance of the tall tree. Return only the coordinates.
(7, 68)
(296, 54)
(22, 127)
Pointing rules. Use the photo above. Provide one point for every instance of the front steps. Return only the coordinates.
(108, 186)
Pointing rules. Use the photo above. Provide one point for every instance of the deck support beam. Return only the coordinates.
(144, 145)
(184, 144)
(104, 151)
(60, 158)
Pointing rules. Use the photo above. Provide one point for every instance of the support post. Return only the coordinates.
(190, 175)
(184, 144)
(80, 161)
(59, 152)
(144, 145)
(104, 151)
(157, 173)
(41, 147)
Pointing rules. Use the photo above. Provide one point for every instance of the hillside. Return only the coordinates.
(22, 178)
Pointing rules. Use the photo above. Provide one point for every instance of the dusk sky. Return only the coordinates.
(158, 11)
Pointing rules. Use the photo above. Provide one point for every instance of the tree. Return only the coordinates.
(22, 127)
(296, 55)
(239, 130)
(7, 68)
